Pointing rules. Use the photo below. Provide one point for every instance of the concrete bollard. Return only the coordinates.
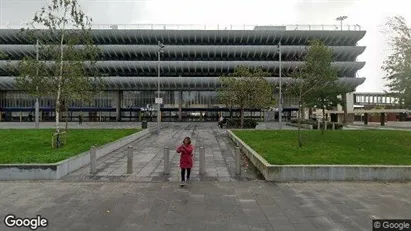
(237, 161)
(166, 161)
(93, 160)
(202, 161)
(130, 160)
(333, 126)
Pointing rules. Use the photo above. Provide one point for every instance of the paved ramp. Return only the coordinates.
(148, 162)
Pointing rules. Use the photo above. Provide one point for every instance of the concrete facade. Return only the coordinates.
(191, 63)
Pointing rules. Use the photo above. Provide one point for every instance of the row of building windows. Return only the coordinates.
(170, 98)
(208, 42)
(202, 58)
(361, 99)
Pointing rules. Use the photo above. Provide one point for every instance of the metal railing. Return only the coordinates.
(296, 27)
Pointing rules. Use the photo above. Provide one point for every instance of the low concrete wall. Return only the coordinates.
(305, 126)
(64, 167)
(286, 173)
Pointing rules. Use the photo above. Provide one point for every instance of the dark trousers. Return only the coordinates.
(220, 123)
(183, 174)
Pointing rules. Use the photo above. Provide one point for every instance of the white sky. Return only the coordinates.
(370, 14)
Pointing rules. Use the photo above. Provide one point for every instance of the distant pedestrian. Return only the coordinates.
(221, 121)
(186, 160)
(80, 118)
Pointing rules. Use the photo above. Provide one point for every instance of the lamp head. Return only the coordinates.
(341, 18)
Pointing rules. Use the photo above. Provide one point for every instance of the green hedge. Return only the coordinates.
(329, 125)
(235, 123)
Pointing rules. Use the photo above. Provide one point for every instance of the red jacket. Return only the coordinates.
(186, 157)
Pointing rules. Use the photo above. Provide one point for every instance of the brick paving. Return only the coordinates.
(249, 205)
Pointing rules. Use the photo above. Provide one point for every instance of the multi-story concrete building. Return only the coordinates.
(190, 65)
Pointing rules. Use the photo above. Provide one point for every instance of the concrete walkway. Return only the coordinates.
(214, 206)
(391, 124)
(274, 126)
(366, 127)
(71, 125)
(148, 160)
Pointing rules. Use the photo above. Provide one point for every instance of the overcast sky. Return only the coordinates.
(370, 14)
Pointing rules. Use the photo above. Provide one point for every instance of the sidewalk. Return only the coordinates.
(274, 126)
(256, 206)
(375, 127)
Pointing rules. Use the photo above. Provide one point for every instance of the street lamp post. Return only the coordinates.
(159, 101)
(280, 102)
(341, 19)
(343, 96)
(37, 110)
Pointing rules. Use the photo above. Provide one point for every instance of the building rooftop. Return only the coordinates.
(294, 27)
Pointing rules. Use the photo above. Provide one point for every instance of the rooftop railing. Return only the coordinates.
(297, 27)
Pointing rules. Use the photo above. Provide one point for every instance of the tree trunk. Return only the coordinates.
(57, 145)
(310, 112)
(60, 77)
(242, 117)
(300, 143)
(58, 110)
(66, 117)
(323, 128)
(302, 112)
(344, 99)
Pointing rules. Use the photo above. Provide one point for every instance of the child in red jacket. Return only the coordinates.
(186, 160)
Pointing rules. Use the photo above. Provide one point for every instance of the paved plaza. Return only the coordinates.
(273, 126)
(390, 125)
(250, 205)
(147, 200)
(148, 160)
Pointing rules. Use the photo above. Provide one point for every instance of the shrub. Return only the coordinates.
(303, 121)
(329, 125)
(236, 123)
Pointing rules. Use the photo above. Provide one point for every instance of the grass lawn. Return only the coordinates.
(34, 146)
(335, 147)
